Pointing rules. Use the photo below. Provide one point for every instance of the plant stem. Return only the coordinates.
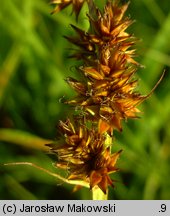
(97, 194)
(57, 176)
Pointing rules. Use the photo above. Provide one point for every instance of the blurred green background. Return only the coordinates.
(33, 65)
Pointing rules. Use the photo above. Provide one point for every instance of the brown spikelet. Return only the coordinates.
(108, 96)
(84, 155)
(61, 4)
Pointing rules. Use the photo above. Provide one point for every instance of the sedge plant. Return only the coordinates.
(105, 96)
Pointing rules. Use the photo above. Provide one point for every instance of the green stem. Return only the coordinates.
(97, 194)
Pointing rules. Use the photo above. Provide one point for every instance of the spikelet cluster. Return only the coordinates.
(82, 152)
(106, 94)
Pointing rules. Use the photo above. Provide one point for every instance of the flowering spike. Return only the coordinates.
(108, 96)
(106, 93)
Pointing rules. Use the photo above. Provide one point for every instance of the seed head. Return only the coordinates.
(85, 155)
(107, 93)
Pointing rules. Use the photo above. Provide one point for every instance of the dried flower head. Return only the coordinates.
(107, 28)
(85, 154)
(61, 4)
(108, 93)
